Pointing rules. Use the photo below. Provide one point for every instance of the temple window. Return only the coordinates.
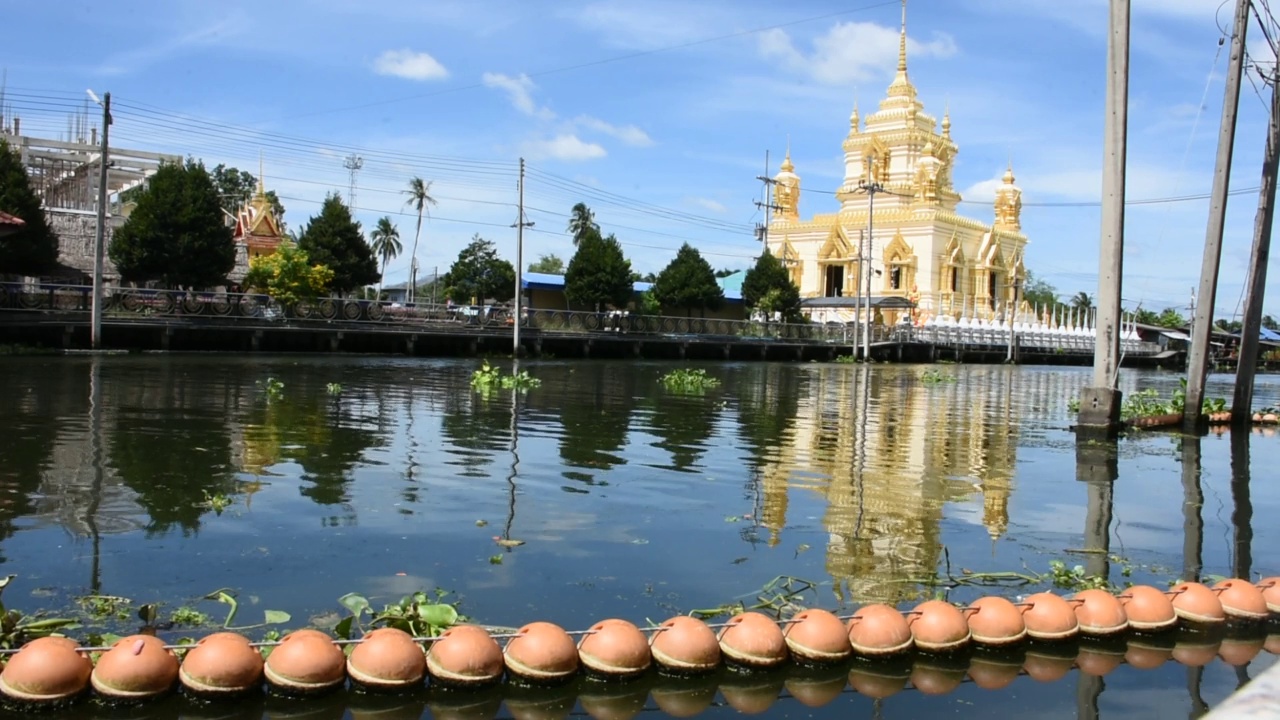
(955, 279)
(835, 281)
(993, 280)
(895, 278)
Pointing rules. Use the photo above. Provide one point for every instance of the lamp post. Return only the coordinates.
(870, 188)
(95, 312)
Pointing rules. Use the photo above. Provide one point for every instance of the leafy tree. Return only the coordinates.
(688, 282)
(1082, 301)
(1269, 323)
(176, 234)
(551, 264)
(288, 275)
(1146, 317)
(479, 273)
(599, 274)
(420, 199)
(768, 287)
(725, 272)
(334, 239)
(386, 245)
(1039, 293)
(236, 186)
(33, 250)
(647, 277)
(581, 221)
(1171, 318)
(1224, 325)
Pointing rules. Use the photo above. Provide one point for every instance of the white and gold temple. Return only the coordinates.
(921, 249)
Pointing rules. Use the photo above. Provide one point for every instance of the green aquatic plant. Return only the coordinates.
(274, 389)
(227, 597)
(489, 378)
(217, 502)
(689, 381)
(188, 616)
(846, 360)
(333, 388)
(934, 376)
(420, 614)
(17, 628)
(105, 606)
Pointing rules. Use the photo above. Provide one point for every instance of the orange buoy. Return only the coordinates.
(1047, 667)
(465, 655)
(1270, 588)
(136, 667)
(753, 640)
(1196, 603)
(47, 669)
(938, 626)
(685, 645)
(1143, 656)
(1241, 599)
(1196, 654)
(878, 630)
(1148, 609)
(752, 694)
(876, 685)
(995, 621)
(387, 659)
(991, 674)
(305, 662)
(682, 701)
(934, 680)
(541, 652)
(604, 702)
(1049, 617)
(1099, 613)
(818, 636)
(1271, 644)
(1238, 652)
(1097, 662)
(616, 648)
(221, 664)
(815, 692)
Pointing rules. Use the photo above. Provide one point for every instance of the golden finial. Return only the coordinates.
(262, 186)
(854, 120)
(1008, 174)
(902, 41)
(786, 161)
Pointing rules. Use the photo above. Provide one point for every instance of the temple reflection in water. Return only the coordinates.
(887, 451)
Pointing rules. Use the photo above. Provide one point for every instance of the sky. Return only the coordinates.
(658, 114)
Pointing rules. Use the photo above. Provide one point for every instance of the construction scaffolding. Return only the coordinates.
(65, 174)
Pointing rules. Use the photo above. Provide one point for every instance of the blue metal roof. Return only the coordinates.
(1268, 335)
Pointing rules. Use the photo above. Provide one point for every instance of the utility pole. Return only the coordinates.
(352, 163)
(99, 239)
(519, 225)
(1256, 280)
(864, 257)
(1013, 320)
(1202, 320)
(1100, 404)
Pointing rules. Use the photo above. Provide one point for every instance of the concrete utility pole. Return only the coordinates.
(864, 257)
(519, 225)
(1256, 281)
(1100, 403)
(1202, 320)
(99, 239)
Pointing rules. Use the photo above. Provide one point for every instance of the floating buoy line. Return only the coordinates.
(878, 650)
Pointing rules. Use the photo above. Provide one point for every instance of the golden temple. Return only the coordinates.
(920, 248)
(257, 227)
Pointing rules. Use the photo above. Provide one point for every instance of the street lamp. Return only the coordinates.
(95, 314)
(870, 188)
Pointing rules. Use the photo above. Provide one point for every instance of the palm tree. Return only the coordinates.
(386, 245)
(420, 199)
(581, 221)
(1082, 301)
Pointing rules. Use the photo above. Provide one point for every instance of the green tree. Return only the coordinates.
(688, 282)
(599, 274)
(1171, 318)
(581, 221)
(1082, 301)
(334, 239)
(1146, 317)
(1229, 326)
(551, 264)
(288, 275)
(480, 274)
(236, 186)
(1269, 323)
(33, 250)
(768, 287)
(386, 245)
(176, 234)
(420, 199)
(1039, 293)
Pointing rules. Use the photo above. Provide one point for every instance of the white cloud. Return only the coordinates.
(709, 204)
(567, 147)
(520, 90)
(849, 51)
(629, 134)
(409, 65)
(650, 25)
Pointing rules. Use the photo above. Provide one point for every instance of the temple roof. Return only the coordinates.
(256, 217)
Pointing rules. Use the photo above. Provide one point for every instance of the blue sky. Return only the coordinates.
(658, 113)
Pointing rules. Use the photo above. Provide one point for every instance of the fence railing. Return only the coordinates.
(142, 303)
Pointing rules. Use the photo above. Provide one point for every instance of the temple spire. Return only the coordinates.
(901, 85)
(902, 41)
(262, 185)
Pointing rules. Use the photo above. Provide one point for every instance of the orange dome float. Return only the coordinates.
(1099, 613)
(1270, 588)
(994, 620)
(990, 674)
(875, 685)
(1237, 652)
(818, 636)
(818, 691)
(938, 626)
(754, 640)
(1196, 603)
(1047, 667)
(932, 680)
(542, 652)
(685, 645)
(1196, 654)
(1098, 663)
(387, 659)
(306, 661)
(47, 669)
(1049, 617)
(1148, 609)
(616, 648)
(136, 667)
(1241, 599)
(221, 664)
(878, 630)
(1147, 657)
(681, 702)
(465, 655)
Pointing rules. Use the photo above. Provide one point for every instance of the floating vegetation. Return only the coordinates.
(689, 381)
(188, 616)
(934, 376)
(846, 360)
(19, 349)
(274, 389)
(333, 388)
(1148, 402)
(489, 378)
(17, 628)
(217, 502)
(226, 596)
(780, 596)
(419, 614)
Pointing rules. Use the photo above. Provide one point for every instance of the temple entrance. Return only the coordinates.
(834, 283)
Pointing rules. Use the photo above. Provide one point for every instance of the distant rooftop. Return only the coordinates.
(732, 285)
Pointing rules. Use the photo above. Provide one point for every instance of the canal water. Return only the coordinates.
(288, 482)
